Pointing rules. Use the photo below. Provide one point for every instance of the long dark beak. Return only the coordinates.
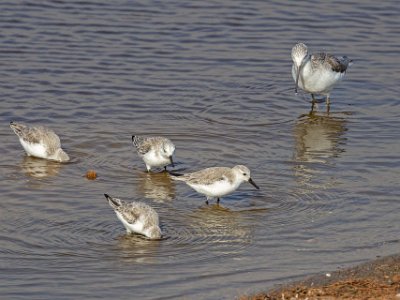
(253, 184)
(172, 162)
(298, 75)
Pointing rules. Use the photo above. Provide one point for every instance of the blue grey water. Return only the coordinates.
(215, 77)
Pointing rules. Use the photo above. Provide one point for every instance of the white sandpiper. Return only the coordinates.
(317, 73)
(216, 181)
(155, 151)
(40, 142)
(137, 217)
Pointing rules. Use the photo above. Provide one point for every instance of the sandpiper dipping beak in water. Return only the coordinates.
(155, 151)
(40, 142)
(216, 182)
(317, 73)
(137, 217)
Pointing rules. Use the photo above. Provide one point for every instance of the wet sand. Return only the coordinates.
(378, 279)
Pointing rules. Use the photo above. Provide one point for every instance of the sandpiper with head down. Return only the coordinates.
(40, 142)
(216, 182)
(317, 73)
(137, 217)
(155, 151)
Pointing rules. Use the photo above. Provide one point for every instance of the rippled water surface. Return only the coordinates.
(215, 77)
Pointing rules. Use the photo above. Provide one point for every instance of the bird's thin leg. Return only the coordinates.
(165, 168)
(313, 98)
(313, 103)
(207, 201)
(217, 201)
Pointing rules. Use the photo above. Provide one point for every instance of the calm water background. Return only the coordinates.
(215, 77)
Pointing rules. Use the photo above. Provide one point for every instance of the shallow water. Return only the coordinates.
(215, 77)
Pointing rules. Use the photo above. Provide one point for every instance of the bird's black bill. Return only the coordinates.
(172, 162)
(298, 76)
(253, 184)
(297, 79)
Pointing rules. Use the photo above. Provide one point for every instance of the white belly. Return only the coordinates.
(153, 159)
(34, 149)
(218, 189)
(320, 81)
(135, 227)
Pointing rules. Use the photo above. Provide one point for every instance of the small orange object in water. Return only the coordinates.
(91, 174)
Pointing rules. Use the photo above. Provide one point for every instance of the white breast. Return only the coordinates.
(34, 149)
(319, 81)
(217, 189)
(152, 158)
(135, 227)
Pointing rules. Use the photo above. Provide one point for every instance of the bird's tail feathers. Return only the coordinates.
(17, 127)
(136, 140)
(114, 202)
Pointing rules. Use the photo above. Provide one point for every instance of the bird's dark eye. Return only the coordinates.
(244, 174)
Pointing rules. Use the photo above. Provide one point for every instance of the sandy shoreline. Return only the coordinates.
(378, 279)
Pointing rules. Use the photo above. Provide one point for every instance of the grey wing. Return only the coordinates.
(206, 176)
(26, 133)
(335, 63)
(142, 144)
(50, 138)
(129, 214)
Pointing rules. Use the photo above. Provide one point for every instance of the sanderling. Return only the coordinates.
(216, 181)
(317, 73)
(136, 217)
(40, 142)
(156, 151)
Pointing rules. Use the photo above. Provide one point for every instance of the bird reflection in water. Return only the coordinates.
(135, 248)
(156, 186)
(318, 140)
(228, 229)
(39, 168)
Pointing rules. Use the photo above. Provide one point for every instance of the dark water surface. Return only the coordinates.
(215, 77)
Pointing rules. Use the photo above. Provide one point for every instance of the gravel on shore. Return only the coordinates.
(378, 280)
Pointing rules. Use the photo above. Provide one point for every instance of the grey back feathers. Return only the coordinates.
(38, 134)
(208, 176)
(40, 141)
(337, 64)
(136, 217)
(144, 144)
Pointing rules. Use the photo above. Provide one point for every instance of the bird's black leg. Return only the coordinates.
(207, 202)
(217, 201)
(313, 103)
(313, 98)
